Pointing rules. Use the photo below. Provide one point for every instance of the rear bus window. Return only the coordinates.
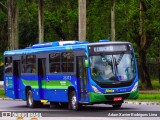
(8, 65)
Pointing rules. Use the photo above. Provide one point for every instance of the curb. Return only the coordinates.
(6, 99)
(11, 99)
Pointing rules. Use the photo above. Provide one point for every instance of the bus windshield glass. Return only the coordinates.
(108, 68)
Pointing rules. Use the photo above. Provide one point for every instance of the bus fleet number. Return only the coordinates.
(67, 77)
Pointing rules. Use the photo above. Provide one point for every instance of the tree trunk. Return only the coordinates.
(113, 20)
(142, 52)
(82, 20)
(145, 77)
(40, 21)
(13, 12)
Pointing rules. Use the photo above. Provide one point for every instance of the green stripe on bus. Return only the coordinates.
(56, 84)
(32, 83)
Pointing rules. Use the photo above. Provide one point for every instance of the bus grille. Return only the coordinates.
(115, 84)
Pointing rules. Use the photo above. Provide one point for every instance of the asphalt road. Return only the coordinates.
(97, 112)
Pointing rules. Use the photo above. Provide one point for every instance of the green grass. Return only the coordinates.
(2, 95)
(149, 96)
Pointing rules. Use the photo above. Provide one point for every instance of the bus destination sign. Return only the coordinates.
(109, 48)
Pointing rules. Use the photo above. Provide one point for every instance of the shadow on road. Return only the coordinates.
(85, 108)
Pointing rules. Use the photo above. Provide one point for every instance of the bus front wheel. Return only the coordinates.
(73, 101)
(117, 105)
(30, 102)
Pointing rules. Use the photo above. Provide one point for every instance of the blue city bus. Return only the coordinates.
(72, 73)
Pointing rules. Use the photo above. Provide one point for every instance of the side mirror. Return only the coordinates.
(86, 63)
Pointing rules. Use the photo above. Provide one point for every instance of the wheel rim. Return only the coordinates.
(30, 99)
(74, 102)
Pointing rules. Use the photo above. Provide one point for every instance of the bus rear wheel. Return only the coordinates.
(30, 102)
(73, 101)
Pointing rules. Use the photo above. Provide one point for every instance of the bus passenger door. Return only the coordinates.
(83, 79)
(42, 77)
(16, 76)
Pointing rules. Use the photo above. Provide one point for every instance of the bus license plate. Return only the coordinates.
(118, 99)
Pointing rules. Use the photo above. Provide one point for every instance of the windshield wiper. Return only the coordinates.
(120, 58)
(114, 67)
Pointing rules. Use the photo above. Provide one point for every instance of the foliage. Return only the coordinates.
(28, 25)
(98, 20)
(61, 20)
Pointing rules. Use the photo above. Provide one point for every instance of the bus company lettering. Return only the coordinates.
(14, 114)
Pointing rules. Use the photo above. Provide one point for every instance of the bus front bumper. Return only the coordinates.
(102, 98)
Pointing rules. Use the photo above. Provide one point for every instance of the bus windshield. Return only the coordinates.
(108, 68)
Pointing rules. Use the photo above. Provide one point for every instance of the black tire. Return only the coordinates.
(32, 103)
(64, 105)
(117, 105)
(73, 102)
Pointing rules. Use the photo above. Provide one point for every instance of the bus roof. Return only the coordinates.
(57, 46)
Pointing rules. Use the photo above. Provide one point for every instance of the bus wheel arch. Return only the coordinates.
(73, 99)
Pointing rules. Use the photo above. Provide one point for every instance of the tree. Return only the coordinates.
(143, 44)
(130, 22)
(142, 36)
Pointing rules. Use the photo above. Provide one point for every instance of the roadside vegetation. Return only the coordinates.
(155, 83)
(2, 95)
(149, 96)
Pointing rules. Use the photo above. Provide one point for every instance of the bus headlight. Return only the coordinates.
(135, 87)
(95, 89)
